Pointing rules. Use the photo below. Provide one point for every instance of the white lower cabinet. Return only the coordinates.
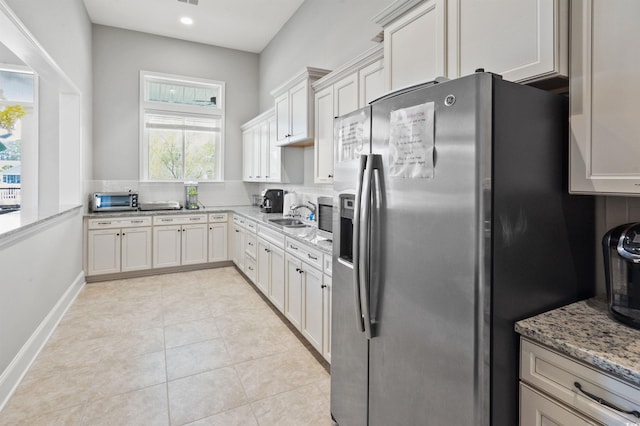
(180, 240)
(312, 306)
(116, 245)
(271, 272)
(238, 246)
(293, 293)
(537, 409)
(218, 242)
(326, 321)
(308, 295)
(554, 391)
(177, 245)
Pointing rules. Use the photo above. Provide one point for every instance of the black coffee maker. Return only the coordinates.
(621, 249)
(272, 200)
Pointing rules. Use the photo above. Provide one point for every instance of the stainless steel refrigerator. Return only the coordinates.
(452, 221)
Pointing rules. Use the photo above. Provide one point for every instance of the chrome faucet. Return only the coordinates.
(293, 210)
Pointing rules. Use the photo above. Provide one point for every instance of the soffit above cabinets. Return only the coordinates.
(247, 25)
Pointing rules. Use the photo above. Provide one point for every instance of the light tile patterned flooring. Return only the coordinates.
(198, 348)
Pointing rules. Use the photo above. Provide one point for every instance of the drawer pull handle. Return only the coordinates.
(312, 257)
(104, 223)
(604, 402)
(293, 247)
(136, 221)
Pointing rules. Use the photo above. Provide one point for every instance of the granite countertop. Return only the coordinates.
(585, 331)
(304, 235)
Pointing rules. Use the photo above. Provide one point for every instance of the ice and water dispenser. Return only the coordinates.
(621, 249)
(347, 203)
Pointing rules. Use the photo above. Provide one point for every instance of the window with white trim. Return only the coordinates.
(181, 128)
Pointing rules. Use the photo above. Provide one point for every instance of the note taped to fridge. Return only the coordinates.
(350, 138)
(411, 142)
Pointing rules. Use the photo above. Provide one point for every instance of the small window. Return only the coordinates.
(182, 128)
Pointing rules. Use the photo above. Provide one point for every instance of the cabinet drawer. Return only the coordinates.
(327, 263)
(272, 236)
(180, 219)
(251, 247)
(238, 220)
(250, 268)
(218, 217)
(556, 375)
(119, 222)
(537, 409)
(305, 253)
(251, 225)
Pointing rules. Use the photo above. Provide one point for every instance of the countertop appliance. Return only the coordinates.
(325, 217)
(454, 222)
(160, 205)
(191, 196)
(113, 201)
(272, 201)
(621, 250)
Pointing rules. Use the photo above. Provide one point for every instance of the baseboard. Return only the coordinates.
(11, 377)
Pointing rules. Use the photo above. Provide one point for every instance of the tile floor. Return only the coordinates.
(197, 348)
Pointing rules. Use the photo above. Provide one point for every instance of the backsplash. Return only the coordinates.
(228, 193)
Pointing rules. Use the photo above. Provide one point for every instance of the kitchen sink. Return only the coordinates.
(289, 222)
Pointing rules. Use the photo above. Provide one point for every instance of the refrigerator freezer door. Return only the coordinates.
(350, 347)
(427, 360)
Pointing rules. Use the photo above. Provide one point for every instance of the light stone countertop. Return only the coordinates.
(585, 331)
(304, 235)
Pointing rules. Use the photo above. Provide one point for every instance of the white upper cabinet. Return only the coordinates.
(415, 43)
(604, 109)
(262, 157)
(294, 108)
(524, 40)
(340, 92)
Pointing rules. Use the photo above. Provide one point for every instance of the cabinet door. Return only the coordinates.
(371, 80)
(237, 245)
(275, 153)
(293, 295)
(345, 95)
(415, 46)
(166, 246)
(104, 251)
(194, 244)
(604, 97)
(251, 268)
(136, 249)
(326, 317)
(277, 278)
(264, 266)
(282, 118)
(264, 150)
(323, 144)
(240, 247)
(538, 410)
(218, 242)
(258, 172)
(247, 155)
(298, 110)
(312, 309)
(530, 44)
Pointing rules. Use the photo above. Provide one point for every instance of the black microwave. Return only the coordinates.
(114, 201)
(325, 217)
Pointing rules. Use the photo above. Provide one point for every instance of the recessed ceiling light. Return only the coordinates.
(186, 20)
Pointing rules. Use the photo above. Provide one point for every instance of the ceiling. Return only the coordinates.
(247, 25)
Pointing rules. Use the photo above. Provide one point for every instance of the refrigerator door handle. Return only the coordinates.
(365, 239)
(356, 242)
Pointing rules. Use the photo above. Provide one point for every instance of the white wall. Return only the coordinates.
(322, 34)
(40, 269)
(118, 57)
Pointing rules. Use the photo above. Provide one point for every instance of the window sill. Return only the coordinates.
(17, 225)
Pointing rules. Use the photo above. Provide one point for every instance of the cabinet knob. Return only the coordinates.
(323, 286)
(330, 176)
(123, 234)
